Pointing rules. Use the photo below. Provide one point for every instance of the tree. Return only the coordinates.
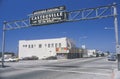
(108, 53)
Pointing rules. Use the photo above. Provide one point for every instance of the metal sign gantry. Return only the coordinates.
(77, 15)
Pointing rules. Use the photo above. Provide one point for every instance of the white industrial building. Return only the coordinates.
(43, 48)
(92, 52)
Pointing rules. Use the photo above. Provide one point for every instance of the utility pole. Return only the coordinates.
(116, 35)
(3, 44)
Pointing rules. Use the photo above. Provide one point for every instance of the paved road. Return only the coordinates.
(83, 68)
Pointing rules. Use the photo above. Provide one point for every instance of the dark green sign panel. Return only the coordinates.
(49, 16)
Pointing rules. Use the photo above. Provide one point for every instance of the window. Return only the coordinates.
(52, 45)
(40, 45)
(28, 46)
(55, 44)
(59, 44)
(23, 45)
(45, 45)
(34, 45)
(31, 46)
(48, 45)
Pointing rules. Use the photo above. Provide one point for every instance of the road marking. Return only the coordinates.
(80, 72)
(27, 70)
(69, 71)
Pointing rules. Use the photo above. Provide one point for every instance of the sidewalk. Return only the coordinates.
(116, 74)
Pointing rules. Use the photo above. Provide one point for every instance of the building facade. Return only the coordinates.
(92, 53)
(43, 48)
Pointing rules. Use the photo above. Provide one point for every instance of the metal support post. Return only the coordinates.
(116, 35)
(3, 44)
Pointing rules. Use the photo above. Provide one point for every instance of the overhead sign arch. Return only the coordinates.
(59, 15)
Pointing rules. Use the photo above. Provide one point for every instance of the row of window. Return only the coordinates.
(52, 45)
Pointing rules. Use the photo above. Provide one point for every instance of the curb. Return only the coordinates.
(116, 74)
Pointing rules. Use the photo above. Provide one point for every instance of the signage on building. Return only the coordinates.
(49, 16)
(62, 50)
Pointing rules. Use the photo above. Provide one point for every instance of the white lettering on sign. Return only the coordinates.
(56, 9)
(48, 18)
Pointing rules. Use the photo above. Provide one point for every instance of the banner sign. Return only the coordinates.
(49, 16)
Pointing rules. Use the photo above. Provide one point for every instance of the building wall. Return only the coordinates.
(92, 53)
(41, 48)
(84, 52)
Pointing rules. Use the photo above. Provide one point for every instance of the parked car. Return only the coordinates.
(50, 58)
(5, 59)
(30, 58)
(13, 59)
(9, 59)
(112, 58)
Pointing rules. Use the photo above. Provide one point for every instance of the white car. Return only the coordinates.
(13, 59)
(9, 59)
(6, 59)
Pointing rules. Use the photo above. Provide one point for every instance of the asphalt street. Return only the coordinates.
(82, 68)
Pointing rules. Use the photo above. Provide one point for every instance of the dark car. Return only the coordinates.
(50, 58)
